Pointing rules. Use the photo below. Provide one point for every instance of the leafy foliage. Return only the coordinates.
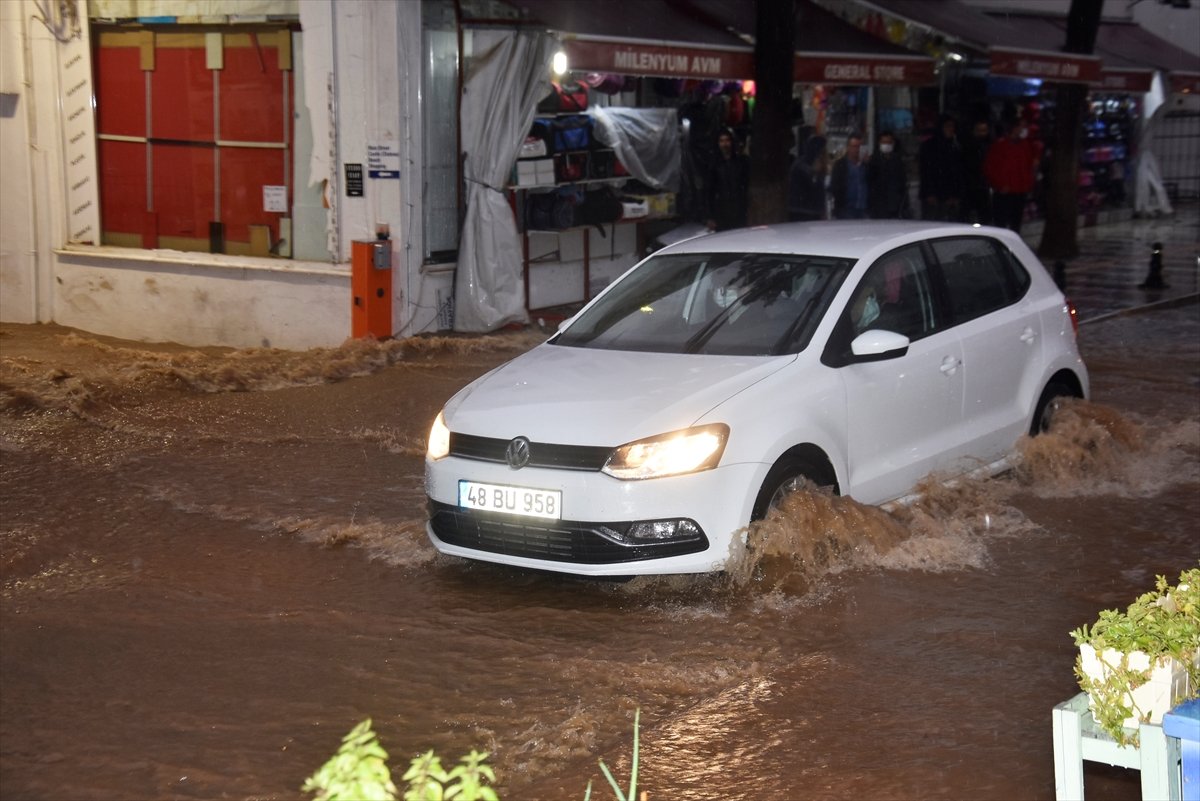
(357, 772)
(1164, 624)
(429, 781)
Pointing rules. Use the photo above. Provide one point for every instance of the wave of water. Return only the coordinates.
(105, 375)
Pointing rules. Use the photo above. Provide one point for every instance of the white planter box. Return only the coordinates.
(1168, 684)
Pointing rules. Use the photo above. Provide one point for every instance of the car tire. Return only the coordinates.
(789, 474)
(1047, 404)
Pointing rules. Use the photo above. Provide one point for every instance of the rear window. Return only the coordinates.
(713, 303)
(981, 276)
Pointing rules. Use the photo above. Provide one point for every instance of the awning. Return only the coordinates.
(829, 50)
(1129, 53)
(1011, 50)
(712, 39)
(635, 37)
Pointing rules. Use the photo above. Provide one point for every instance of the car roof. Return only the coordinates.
(840, 238)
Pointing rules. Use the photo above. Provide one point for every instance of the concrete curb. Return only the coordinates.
(1158, 305)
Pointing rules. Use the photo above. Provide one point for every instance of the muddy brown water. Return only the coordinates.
(214, 565)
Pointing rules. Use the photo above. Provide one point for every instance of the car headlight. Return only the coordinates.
(439, 439)
(686, 451)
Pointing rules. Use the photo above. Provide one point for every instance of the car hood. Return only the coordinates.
(585, 396)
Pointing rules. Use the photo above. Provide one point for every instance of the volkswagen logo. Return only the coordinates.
(517, 453)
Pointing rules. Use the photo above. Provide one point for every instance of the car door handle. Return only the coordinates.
(949, 365)
(1028, 336)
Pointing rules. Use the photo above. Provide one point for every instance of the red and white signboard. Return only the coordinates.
(665, 60)
(1187, 83)
(1130, 81)
(863, 70)
(1048, 66)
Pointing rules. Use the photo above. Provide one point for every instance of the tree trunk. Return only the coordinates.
(1060, 238)
(771, 130)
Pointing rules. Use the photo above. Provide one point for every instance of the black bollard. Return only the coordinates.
(1060, 275)
(1154, 279)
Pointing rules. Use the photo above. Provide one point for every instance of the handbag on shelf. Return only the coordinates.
(564, 97)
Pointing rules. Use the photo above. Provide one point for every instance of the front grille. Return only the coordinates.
(554, 540)
(541, 454)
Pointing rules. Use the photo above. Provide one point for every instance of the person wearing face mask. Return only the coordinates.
(887, 181)
(1011, 170)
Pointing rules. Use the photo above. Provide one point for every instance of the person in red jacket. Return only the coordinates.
(1011, 169)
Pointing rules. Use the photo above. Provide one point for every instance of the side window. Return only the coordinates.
(980, 276)
(895, 295)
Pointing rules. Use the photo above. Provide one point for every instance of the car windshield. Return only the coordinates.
(714, 303)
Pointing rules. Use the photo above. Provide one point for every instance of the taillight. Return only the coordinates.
(1073, 313)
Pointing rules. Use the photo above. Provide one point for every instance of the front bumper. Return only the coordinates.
(598, 511)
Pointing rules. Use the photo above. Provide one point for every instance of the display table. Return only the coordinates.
(1183, 723)
(1077, 738)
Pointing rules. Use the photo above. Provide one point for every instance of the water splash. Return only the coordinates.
(1090, 450)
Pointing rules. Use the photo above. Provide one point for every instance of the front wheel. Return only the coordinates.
(787, 476)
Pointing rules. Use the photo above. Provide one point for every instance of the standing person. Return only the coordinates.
(727, 185)
(977, 195)
(1010, 167)
(848, 182)
(887, 182)
(806, 182)
(942, 178)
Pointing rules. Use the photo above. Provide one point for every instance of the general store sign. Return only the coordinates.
(1054, 67)
(863, 70)
(665, 60)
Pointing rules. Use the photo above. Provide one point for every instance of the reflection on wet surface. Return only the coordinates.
(214, 563)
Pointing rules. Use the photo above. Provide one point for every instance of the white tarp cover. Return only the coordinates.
(1149, 193)
(646, 140)
(509, 73)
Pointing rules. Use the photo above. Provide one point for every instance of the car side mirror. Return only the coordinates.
(877, 345)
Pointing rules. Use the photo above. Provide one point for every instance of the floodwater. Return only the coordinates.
(214, 564)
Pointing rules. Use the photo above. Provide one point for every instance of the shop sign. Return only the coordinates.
(863, 70)
(1131, 81)
(670, 61)
(1053, 67)
(1187, 83)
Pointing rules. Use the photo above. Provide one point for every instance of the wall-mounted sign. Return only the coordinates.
(354, 180)
(827, 68)
(1048, 66)
(383, 161)
(659, 59)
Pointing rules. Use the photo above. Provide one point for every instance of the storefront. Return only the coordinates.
(634, 67)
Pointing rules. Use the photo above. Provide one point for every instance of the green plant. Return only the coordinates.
(429, 781)
(357, 772)
(1161, 624)
(633, 770)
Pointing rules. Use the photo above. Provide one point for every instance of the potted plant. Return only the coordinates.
(1137, 664)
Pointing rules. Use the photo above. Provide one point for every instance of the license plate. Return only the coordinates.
(508, 500)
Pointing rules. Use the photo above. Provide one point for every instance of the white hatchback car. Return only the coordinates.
(682, 402)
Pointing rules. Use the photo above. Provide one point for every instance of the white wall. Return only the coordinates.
(17, 254)
(372, 50)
